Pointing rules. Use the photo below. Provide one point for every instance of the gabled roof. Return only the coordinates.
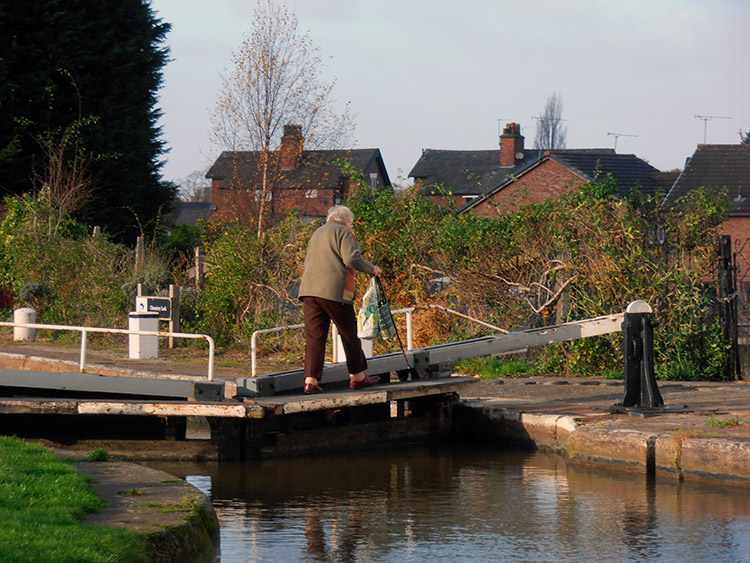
(464, 172)
(319, 167)
(716, 168)
(629, 171)
(477, 172)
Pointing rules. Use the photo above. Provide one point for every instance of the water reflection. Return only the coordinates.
(465, 505)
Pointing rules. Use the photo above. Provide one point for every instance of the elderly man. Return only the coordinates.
(327, 294)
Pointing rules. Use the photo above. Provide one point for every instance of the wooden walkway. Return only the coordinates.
(276, 405)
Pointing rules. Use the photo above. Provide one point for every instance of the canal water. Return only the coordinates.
(465, 504)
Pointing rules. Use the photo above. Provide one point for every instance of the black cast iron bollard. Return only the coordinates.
(638, 348)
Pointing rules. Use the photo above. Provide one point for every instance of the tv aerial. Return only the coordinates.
(706, 119)
(617, 136)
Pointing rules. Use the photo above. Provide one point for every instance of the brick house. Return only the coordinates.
(483, 182)
(468, 174)
(719, 169)
(560, 171)
(309, 180)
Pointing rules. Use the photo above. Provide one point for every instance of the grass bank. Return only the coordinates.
(42, 501)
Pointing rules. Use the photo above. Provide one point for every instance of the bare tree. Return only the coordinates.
(550, 133)
(275, 81)
(195, 187)
(65, 176)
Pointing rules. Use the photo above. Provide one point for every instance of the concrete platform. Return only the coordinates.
(176, 520)
(702, 433)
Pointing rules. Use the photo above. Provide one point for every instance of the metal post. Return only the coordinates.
(409, 333)
(727, 280)
(254, 353)
(211, 353)
(84, 346)
(641, 390)
(632, 351)
(650, 395)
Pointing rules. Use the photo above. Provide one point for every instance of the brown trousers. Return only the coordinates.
(318, 314)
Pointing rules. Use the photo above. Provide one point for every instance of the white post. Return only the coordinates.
(335, 338)
(24, 315)
(254, 353)
(143, 346)
(409, 334)
(84, 347)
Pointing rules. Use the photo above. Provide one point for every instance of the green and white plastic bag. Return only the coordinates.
(374, 317)
(367, 318)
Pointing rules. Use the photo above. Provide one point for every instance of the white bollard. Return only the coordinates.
(25, 315)
(143, 347)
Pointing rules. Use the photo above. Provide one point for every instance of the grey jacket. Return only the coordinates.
(332, 257)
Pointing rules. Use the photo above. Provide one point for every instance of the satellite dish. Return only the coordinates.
(519, 156)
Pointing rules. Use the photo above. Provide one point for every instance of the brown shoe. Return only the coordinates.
(366, 382)
(312, 389)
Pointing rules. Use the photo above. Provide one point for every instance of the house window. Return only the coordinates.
(259, 195)
(311, 194)
(373, 179)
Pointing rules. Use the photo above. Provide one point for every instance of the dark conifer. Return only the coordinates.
(63, 60)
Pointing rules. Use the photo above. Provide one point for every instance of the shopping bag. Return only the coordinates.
(367, 318)
(386, 326)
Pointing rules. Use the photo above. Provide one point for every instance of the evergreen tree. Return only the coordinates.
(62, 61)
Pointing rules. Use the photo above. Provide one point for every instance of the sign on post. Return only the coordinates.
(167, 308)
(162, 306)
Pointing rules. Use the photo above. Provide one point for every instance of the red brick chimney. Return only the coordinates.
(290, 153)
(511, 144)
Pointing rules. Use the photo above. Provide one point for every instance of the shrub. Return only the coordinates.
(68, 275)
(582, 255)
(251, 281)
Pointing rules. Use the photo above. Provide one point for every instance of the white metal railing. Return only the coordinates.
(408, 311)
(84, 330)
(254, 343)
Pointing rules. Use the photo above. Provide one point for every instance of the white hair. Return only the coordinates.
(340, 213)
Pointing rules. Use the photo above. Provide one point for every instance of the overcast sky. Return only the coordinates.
(445, 74)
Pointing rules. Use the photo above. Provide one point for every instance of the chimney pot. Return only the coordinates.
(511, 144)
